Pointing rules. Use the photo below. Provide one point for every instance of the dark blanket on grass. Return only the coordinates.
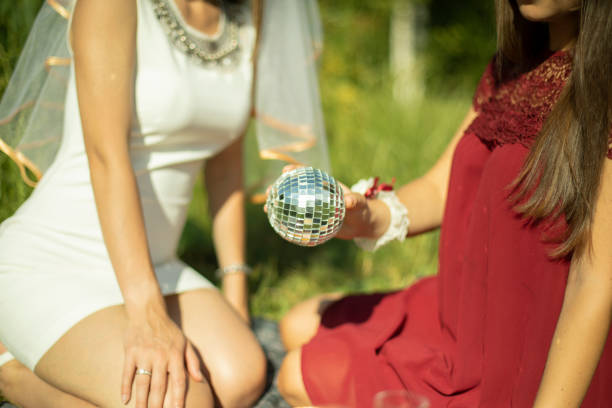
(267, 334)
(269, 338)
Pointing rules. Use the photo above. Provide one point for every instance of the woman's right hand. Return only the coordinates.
(367, 218)
(153, 342)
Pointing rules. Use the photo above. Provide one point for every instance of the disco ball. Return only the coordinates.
(306, 206)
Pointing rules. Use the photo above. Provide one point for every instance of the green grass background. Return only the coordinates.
(368, 132)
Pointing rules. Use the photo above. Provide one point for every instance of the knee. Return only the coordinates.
(289, 381)
(295, 327)
(240, 382)
(287, 328)
(301, 323)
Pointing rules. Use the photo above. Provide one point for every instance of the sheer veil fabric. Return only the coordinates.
(289, 121)
(32, 107)
(286, 102)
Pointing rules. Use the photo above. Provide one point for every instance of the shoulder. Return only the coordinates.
(104, 10)
(103, 18)
(101, 28)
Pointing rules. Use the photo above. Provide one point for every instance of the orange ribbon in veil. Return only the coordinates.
(23, 163)
(305, 140)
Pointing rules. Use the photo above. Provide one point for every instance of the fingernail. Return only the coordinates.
(124, 399)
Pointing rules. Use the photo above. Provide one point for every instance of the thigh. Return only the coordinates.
(301, 323)
(229, 350)
(23, 388)
(87, 362)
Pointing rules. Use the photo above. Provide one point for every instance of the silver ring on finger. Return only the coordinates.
(143, 372)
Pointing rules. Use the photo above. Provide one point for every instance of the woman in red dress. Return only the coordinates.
(519, 313)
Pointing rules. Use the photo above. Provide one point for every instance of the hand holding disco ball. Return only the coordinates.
(306, 206)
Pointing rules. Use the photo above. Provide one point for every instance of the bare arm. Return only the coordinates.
(224, 182)
(104, 33)
(104, 55)
(584, 322)
(424, 198)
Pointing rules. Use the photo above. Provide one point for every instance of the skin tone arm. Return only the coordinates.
(103, 33)
(584, 321)
(424, 198)
(224, 182)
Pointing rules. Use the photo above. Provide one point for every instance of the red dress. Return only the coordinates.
(478, 333)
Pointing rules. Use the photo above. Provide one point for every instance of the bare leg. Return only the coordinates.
(230, 351)
(290, 382)
(300, 324)
(87, 360)
(297, 327)
(22, 387)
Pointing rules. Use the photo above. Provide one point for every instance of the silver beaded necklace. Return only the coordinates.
(222, 50)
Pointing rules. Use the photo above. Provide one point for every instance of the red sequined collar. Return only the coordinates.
(514, 110)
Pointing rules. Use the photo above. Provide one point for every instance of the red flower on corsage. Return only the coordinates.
(372, 192)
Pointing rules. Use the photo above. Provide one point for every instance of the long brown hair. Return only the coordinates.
(561, 175)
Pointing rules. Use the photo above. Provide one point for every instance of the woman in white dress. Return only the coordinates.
(95, 307)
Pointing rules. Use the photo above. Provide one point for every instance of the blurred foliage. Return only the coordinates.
(15, 20)
(457, 42)
(461, 40)
(369, 134)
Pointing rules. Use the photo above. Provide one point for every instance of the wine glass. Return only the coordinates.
(399, 399)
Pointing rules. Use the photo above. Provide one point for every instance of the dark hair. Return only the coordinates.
(561, 175)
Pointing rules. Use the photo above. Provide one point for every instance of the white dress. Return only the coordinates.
(54, 266)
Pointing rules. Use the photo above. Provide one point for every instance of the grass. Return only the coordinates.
(368, 133)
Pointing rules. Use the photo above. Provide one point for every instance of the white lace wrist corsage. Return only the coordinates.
(399, 222)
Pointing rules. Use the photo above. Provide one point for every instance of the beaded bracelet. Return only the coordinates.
(233, 268)
(398, 223)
